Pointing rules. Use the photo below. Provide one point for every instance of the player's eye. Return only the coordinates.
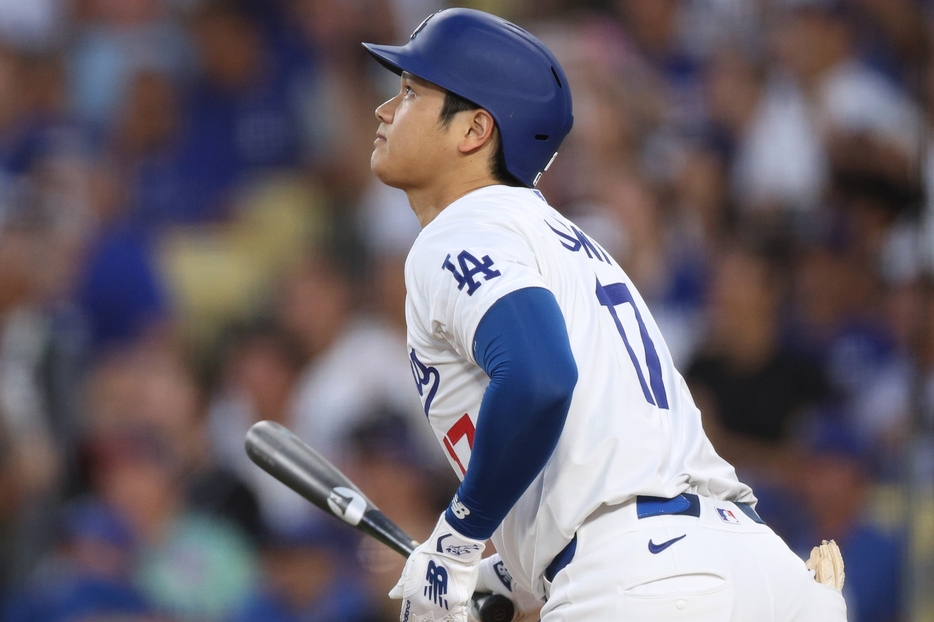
(407, 90)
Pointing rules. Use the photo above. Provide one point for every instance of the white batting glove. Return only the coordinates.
(495, 578)
(826, 562)
(439, 577)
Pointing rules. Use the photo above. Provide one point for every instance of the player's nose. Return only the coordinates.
(385, 111)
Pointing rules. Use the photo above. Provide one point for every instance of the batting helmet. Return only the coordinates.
(501, 68)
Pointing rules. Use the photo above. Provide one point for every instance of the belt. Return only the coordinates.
(561, 560)
(685, 504)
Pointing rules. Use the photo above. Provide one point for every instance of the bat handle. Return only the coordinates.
(492, 608)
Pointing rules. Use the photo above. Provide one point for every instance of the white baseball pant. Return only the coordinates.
(726, 567)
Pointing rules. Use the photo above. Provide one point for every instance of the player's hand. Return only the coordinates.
(495, 578)
(826, 562)
(439, 577)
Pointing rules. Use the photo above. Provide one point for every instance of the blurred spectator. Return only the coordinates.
(835, 493)
(357, 361)
(237, 119)
(52, 191)
(309, 578)
(45, 168)
(43, 223)
(121, 292)
(733, 84)
(148, 385)
(750, 389)
(654, 26)
(90, 575)
(891, 37)
(114, 39)
(32, 464)
(698, 223)
(191, 566)
(260, 369)
(145, 384)
(839, 322)
(144, 142)
(873, 186)
(709, 28)
(817, 88)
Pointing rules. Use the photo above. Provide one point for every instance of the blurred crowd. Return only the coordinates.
(191, 241)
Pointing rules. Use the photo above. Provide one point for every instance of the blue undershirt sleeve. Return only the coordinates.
(522, 344)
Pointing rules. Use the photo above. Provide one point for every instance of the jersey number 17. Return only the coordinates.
(616, 294)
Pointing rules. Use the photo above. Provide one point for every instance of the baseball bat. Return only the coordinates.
(279, 452)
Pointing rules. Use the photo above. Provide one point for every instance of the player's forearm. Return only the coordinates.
(522, 344)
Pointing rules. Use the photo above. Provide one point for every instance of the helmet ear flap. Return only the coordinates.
(501, 68)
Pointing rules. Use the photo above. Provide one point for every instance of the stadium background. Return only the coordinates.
(191, 240)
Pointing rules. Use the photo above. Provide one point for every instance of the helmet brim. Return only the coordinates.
(387, 55)
(397, 59)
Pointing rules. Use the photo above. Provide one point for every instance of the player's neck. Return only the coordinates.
(427, 202)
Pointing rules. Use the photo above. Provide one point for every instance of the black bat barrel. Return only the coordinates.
(286, 457)
(276, 450)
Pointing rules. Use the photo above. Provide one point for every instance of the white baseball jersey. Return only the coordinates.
(632, 427)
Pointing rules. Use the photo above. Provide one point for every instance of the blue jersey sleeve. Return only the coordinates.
(522, 344)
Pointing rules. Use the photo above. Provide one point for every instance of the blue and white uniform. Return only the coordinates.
(630, 428)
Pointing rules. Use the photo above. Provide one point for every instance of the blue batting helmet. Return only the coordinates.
(501, 68)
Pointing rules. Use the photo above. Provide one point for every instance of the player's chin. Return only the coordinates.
(382, 169)
(378, 159)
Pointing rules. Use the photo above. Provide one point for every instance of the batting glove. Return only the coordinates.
(495, 578)
(826, 562)
(439, 577)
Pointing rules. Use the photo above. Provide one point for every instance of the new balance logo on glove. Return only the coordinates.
(439, 577)
(436, 587)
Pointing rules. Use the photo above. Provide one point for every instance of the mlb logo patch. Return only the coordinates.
(727, 516)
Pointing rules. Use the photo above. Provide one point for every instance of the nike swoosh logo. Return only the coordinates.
(655, 549)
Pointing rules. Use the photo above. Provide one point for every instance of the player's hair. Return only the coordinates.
(454, 104)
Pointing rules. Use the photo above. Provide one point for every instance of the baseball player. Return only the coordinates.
(546, 379)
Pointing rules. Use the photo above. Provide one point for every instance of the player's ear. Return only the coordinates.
(479, 131)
